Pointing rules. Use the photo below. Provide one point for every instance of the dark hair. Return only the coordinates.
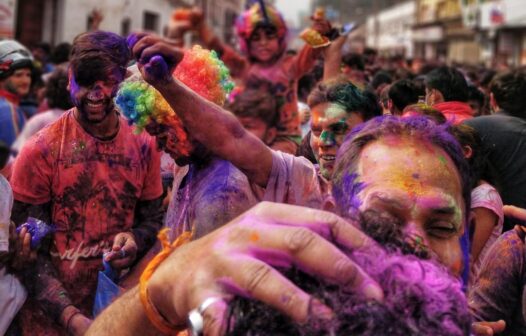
(95, 53)
(309, 80)
(46, 47)
(381, 78)
(421, 298)
(479, 164)
(305, 149)
(345, 184)
(255, 103)
(61, 53)
(476, 95)
(450, 82)
(509, 91)
(403, 93)
(371, 107)
(354, 61)
(346, 94)
(57, 92)
(422, 109)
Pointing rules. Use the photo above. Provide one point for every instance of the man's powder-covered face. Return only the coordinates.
(418, 184)
(330, 124)
(92, 92)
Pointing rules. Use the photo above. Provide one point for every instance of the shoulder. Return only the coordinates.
(292, 162)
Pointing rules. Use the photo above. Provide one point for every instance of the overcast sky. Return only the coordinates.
(292, 8)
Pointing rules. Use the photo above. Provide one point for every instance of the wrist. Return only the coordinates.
(67, 315)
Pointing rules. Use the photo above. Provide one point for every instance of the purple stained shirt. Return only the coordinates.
(208, 197)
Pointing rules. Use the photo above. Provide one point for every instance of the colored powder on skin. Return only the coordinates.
(254, 237)
(74, 89)
(327, 137)
(335, 111)
(443, 160)
(353, 188)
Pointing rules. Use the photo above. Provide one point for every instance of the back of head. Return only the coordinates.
(403, 93)
(255, 103)
(381, 78)
(13, 56)
(61, 53)
(449, 82)
(422, 109)
(57, 93)
(97, 51)
(509, 92)
(354, 61)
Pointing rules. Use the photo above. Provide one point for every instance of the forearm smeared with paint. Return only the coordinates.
(200, 69)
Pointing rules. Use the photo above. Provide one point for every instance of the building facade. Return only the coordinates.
(440, 34)
(390, 31)
(501, 30)
(56, 21)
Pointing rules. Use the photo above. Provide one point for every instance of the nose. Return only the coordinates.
(327, 139)
(416, 236)
(96, 92)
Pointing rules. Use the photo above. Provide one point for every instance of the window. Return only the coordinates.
(151, 21)
(125, 26)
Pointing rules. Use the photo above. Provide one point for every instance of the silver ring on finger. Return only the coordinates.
(196, 321)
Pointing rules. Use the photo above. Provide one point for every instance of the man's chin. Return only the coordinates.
(95, 118)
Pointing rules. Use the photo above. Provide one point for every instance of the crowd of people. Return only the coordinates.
(333, 193)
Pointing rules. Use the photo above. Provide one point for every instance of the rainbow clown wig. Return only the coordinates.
(201, 70)
(260, 16)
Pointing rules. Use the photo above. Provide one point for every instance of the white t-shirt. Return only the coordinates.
(12, 293)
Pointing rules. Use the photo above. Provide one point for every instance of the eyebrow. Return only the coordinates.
(444, 211)
(395, 202)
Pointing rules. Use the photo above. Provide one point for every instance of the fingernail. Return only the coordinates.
(372, 291)
(319, 310)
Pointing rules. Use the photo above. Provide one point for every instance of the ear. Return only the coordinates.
(329, 204)
(270, 135)
(437, 97)
(70, 77)
(468, 151)
(392, 108)
(493, 103)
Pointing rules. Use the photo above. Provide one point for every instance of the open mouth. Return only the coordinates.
(95, 104)
(327, 157)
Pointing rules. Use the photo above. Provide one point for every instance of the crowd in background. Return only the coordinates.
(426, 160)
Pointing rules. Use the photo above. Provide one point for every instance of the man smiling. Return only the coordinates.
(100, 184)
(16, 64)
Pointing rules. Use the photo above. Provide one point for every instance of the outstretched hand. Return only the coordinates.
(156, 57)
(239, 259)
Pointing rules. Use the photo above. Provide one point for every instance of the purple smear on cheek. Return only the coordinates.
(353, 189)
(73, 90)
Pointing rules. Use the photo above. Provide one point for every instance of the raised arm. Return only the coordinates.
(214, 127)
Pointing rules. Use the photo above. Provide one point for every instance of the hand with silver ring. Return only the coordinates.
(239, 259)
(195, 317)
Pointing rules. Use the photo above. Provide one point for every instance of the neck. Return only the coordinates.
(13, 98)
(105, 129)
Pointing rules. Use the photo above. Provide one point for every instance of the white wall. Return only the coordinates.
(74, 14)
